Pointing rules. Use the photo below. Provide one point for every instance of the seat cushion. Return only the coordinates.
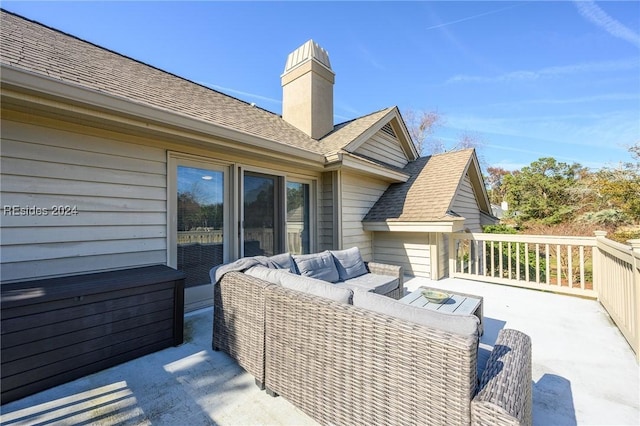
(381, 284)
(317, 288)
(267, 274)
(465, 325)
(349, 263)
(317, 265)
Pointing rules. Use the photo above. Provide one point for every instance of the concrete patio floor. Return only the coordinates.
(584, 373)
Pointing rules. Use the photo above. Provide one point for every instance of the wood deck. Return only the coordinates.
(584, 372)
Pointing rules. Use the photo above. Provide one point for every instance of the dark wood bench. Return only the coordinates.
(59, 329)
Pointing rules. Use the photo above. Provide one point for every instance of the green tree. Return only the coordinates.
(618, 189)
(544, 191)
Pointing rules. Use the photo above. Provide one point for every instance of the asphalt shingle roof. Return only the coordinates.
(33, 47)
(350, 130)
(429, 192)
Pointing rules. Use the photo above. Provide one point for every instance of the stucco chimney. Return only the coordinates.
(307, 90)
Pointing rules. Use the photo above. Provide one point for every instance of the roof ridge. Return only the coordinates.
(106, 49)
(454, 151)
(363, 116)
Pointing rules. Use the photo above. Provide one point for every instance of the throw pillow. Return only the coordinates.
(349, 263)
(318, 265)
(283, 261)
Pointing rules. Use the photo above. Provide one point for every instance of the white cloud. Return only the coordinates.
(528, 75)
(591, 12)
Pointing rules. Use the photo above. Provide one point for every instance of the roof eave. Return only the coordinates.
(346, 162)
(148, 117)
(449, 225)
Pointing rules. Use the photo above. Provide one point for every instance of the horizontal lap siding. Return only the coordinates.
(408, 249)
(466, 205)
(359, 194)
(118, 188)
(383, 147)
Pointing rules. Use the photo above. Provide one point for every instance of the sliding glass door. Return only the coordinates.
(262, 214)
(200, 215)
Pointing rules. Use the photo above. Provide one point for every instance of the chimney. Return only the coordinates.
(307, 90)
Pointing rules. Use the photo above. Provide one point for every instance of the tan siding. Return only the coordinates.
(359, 194)
(410, 250)
(69, 266)
(118, 188)
(466, 205)
(383, 147)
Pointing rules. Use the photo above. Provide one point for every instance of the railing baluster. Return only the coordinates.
(500, 261)
(526, 261)
(509, 261)
(493, 263)
(559, 265)
(582, 283)
(537, 263)
(570, 266)
(518, 261)
(548, 264)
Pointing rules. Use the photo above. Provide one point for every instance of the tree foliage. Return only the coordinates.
(543, 191)
(618, 188)
(551, 197)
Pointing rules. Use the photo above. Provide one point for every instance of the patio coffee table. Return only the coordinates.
(457, 303)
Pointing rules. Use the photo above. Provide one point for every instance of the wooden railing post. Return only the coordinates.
(635, 245)
(598, 264)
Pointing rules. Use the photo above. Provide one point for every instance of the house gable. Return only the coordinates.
(427, 201)
(387, 140)
(384, 146)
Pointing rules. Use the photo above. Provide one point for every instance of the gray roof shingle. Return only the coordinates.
(429, 192)
(33, 47)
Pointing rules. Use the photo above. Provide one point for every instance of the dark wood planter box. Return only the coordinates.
(60, 329)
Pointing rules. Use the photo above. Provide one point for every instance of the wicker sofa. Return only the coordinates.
(343, 364)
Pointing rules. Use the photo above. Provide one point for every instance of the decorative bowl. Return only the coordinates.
(435, 296)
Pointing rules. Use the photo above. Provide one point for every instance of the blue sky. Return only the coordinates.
(526, 79)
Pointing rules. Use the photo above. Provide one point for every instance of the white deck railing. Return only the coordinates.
(617, 281)
(593, 267)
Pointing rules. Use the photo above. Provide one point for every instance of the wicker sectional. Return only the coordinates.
(342, 364)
